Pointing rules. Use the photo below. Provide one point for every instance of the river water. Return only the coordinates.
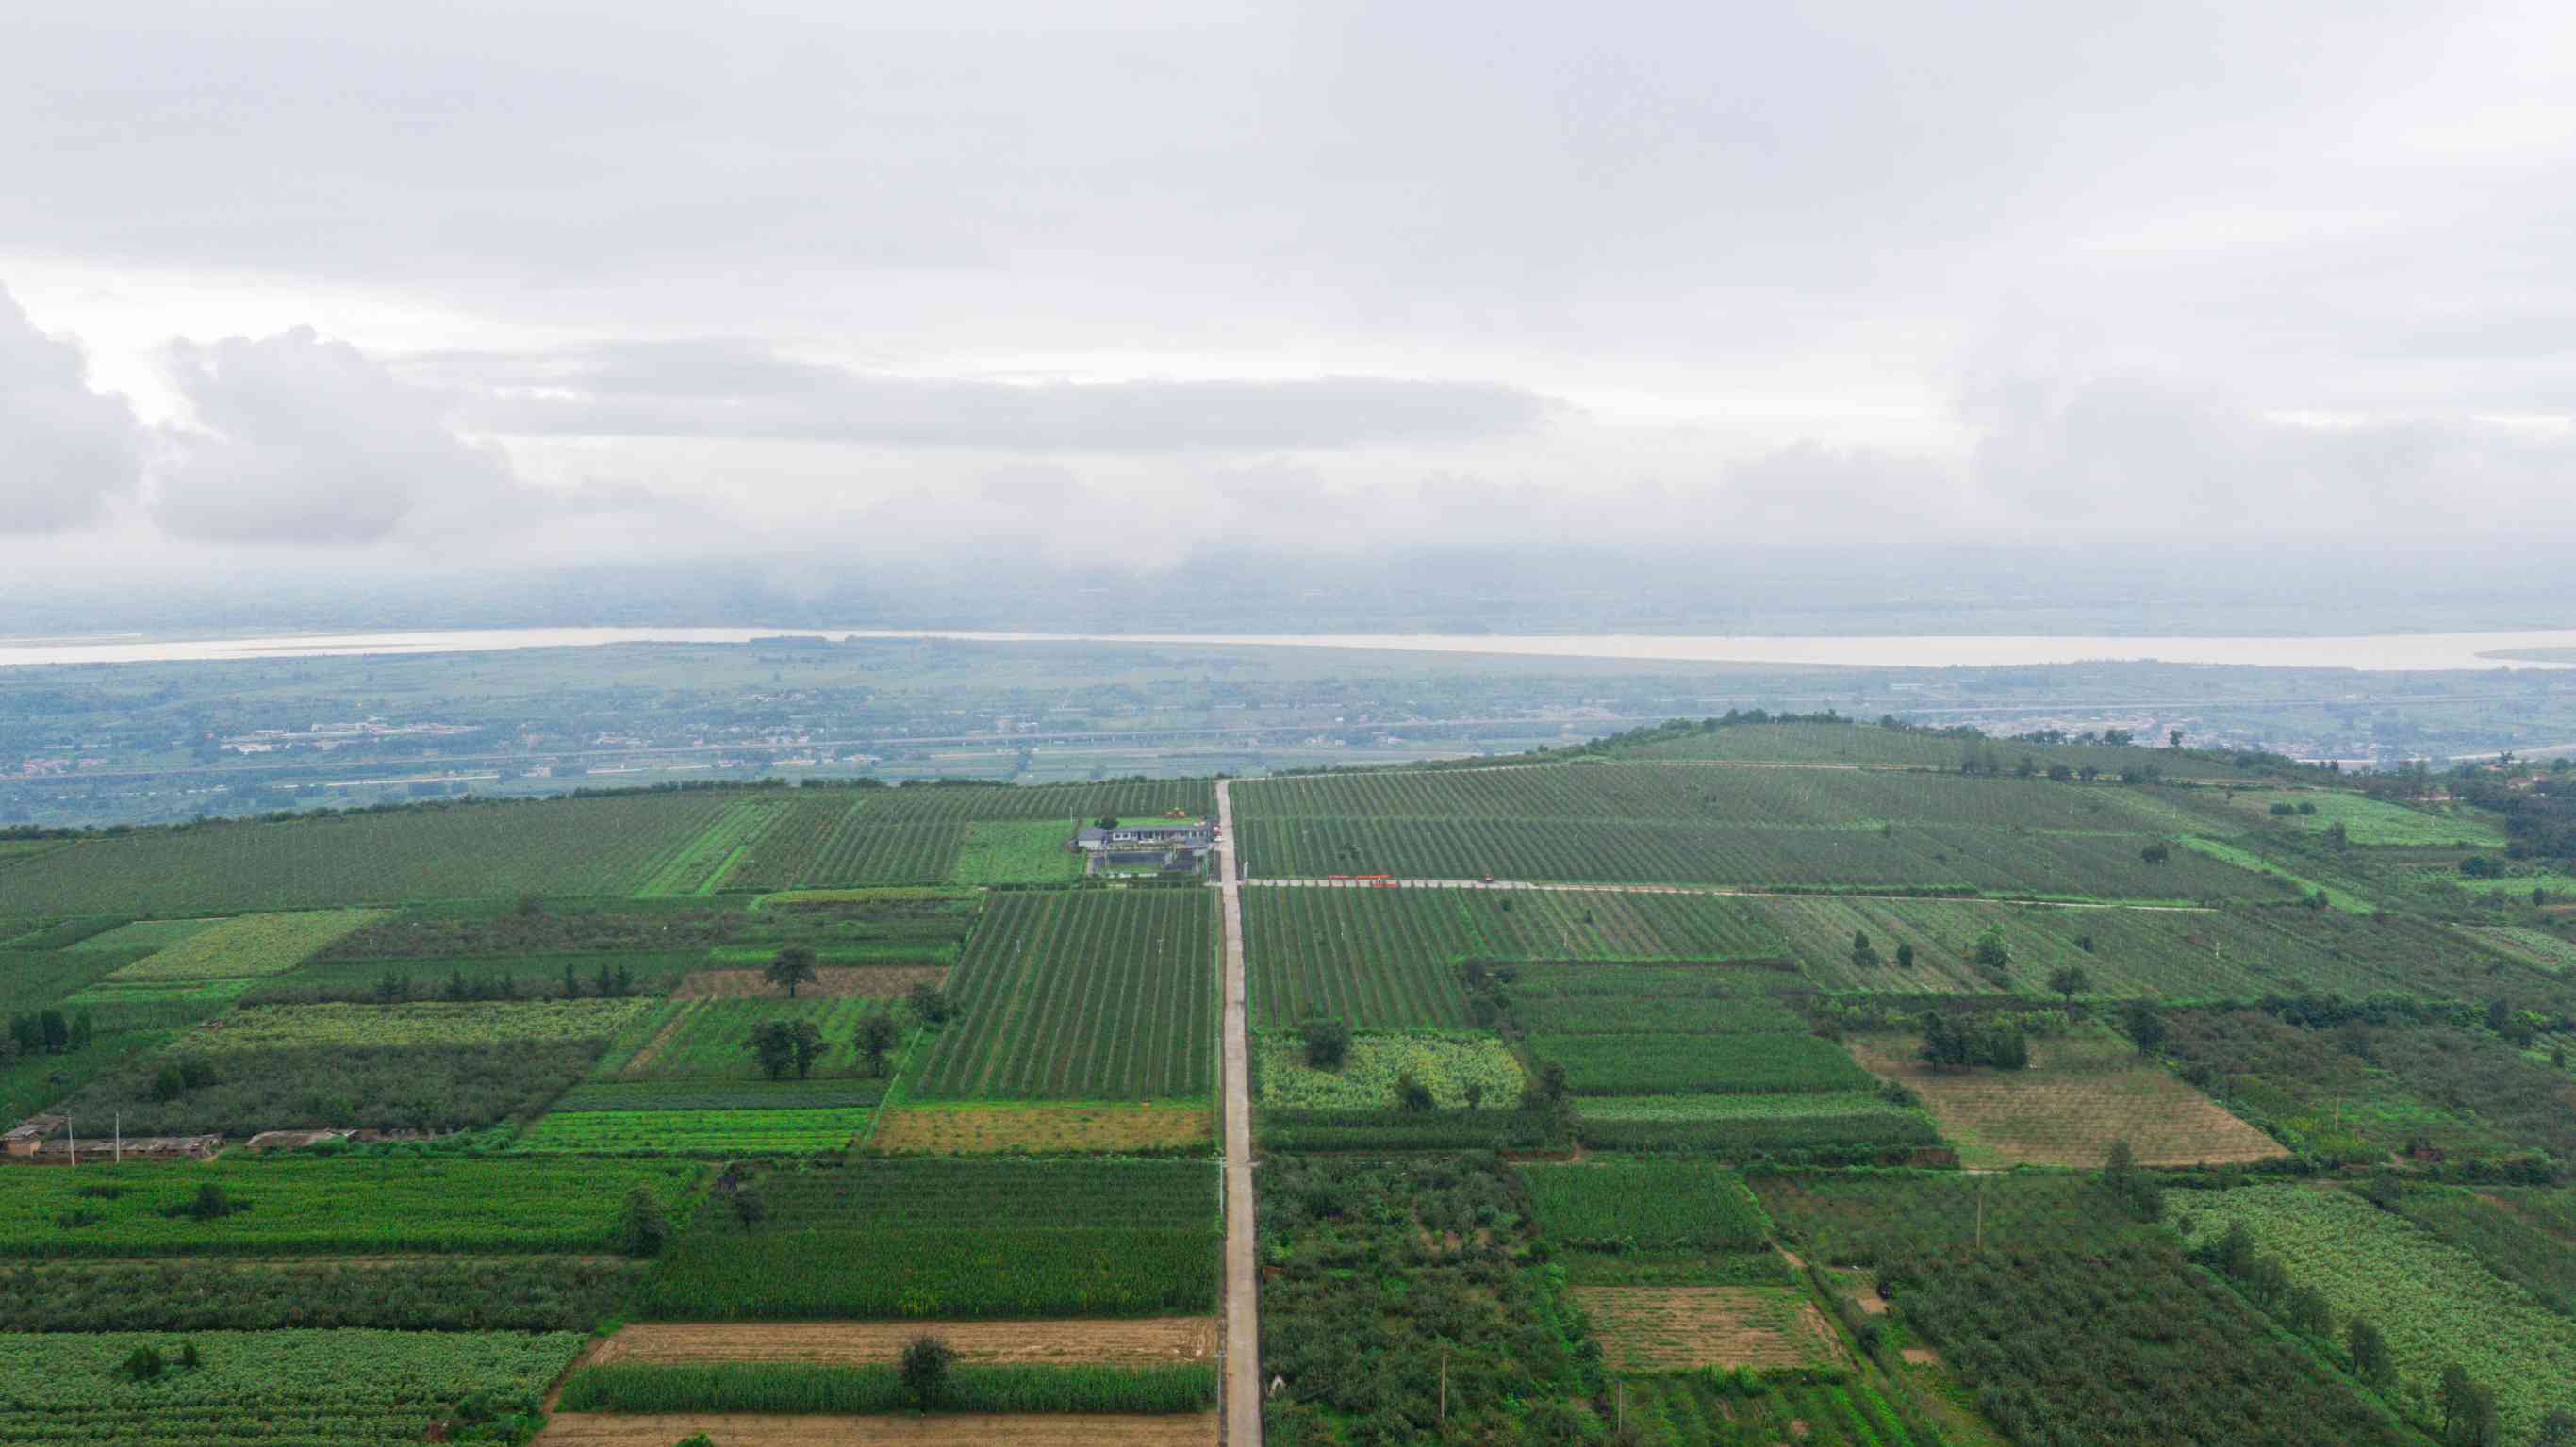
(2375, 652)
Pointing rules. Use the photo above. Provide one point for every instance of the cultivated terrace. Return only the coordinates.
(1751, 1080)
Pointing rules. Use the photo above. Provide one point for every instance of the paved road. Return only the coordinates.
(1233, 927)
(1242, 1301)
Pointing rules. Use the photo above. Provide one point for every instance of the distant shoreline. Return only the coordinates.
(2386, 652)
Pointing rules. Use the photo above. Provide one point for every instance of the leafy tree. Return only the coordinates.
(876, 1040)
(930, 1003)
(1328, 1041)
(81, 1032)
(2157, 853)
(2308, 1312)
(144, 1364)
(2468, 1410)
(774, 1046)
(789, 968)
(2557, 1429)
(926, 1361)
(2173, 738)
(604, 983)
(572, 982)
(57, 1031)
(2144, 1020)
(2069, 981)
(1905, 956)
(1411, 1094)
(1864, 955)
(1546, 1088)
(642, 1228)
(2135, 1190)
(2371, 1359)
(748, 1208)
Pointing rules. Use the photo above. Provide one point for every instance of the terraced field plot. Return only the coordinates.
(245, 948)
(2231, 954)
(2435, 1303)
(1679, 1328)
(773, 1130)
(2367, 821)
(1082, 995)
(862, 851)
(700, 866)
(1130, 799)
(782, 853)
(1146, 1341)
(2077, 1097)
(967, 1129)
(1391, 958)
(426, 1023)
(482, 850)
(1864, 743)
(710, 1038)
(738, 1429)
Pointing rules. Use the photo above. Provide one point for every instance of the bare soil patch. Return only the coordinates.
(873, 982)
(975, 1130)
(2068, 1107)
(1670, 1328)
(1921, 1356)
(1145, 1342)
(743, 1429)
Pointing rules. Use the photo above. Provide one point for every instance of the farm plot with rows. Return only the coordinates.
(1623, 1205)
(1875, 1219)
(1082, 995)
(1676, 1064)
(1699, 1408)
(1390, 958)
(931, 1239)
(245, 948)
(1127, 800)
(2078, 1096)
(1683, 1328)
(2435, 1303)
(354, 1388)
(1824, 1127)
(275, 1027)
(2366, 821)
(480, 850)
(1853, 743)
(953, 1128)
(783, 853)
(1588, 998)
(863, 851)
(770, 1130)
(705, 1039)
(1461, 1070)
(349, 1205)
(700, 866)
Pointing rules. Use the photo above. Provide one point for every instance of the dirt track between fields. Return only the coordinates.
(1151, 1341)
(745, 1429)
(1241, 1377)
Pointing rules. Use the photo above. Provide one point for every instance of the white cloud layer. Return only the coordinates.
(66, 452)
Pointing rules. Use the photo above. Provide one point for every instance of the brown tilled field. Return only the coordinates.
(594, 1429)
(2078, 1096)
(1144, 1342)
(875, 982)
(975, 1130)
(1670, 1328)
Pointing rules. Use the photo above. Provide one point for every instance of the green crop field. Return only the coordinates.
(779, 856)
(1089, 994)
(1027, 851)
(353, 1388)
(1619, 1205)
(254, 945)
(2435, 1303)
(918, 1238)
(1390, 958)
(1858, 743)
(1678, 1064)
(710, 1039)
(480, 850)
(1449, 1066)
(862, 851)
(1827, 1126)
(701, 865)
(1133, 799)
(2366, 821)
(275, 1027)
(771, 1130)
(1622, 999)
(353, 1205)
(146, 934)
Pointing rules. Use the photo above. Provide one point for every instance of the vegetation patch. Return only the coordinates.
(773, 1130)
(2078, 1096)
(1032, 851)
(285, 1027)
(1459, 1072)
(1679, 1328)
(1700, 1064)
(1112, 1128)
(802, 1388)
(533, 1293)
(353, 1388)
(245, 948)
(1824, 1127)
(1613, 1206)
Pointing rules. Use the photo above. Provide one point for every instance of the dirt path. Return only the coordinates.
(1242, 1372)
(1150, 1341)
(1710, 889)
(745, 1429)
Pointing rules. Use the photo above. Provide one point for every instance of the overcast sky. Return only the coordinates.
(362, 286)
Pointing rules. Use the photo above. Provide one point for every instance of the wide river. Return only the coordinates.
(2377, 652)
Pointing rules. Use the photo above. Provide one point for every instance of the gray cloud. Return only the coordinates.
(302, 440)
(66, 452)
(702, 389)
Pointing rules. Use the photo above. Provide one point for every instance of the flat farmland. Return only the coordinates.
(704, 1038)
(1130, 799)
(782, 853)
(481, 850)
(1683, 1328)
(746, 1429)
(969, 1129)
(865, 982)
(2230, 954)
(1391, 958)
(1135, 1342)
(1858, 744)
(2366, 821)
(1082, 995)
(1020, 851)
(701, 865)
(2077, 1097)
(862, 850)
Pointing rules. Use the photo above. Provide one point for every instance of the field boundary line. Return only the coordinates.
(1715, 891)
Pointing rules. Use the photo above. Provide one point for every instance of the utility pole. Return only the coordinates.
(120, 1138)
(71, 1132)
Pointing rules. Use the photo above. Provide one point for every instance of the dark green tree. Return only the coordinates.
(1328, 1041)
(789, 968)
(926, 1361)
(876, 1041)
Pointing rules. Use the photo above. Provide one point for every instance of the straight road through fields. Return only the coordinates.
(1242, 1373)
